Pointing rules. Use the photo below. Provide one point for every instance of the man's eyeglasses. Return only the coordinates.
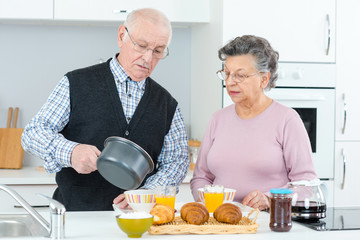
(237, 76)
(159, 52)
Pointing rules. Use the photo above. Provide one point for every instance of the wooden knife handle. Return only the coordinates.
(16, 115)
(9, 117)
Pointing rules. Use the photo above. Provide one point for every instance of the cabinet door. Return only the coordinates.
(347, 177)
(28, 193)
(117, 10)
(300, 30)
(348, 82)
(26, 9)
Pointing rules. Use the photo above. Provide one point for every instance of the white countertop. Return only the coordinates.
(37, 175)
(26, 176)
(102, 225)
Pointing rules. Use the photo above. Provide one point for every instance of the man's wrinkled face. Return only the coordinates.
(146, 34)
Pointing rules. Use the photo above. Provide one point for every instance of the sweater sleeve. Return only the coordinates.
(297, 150)
(202, 175)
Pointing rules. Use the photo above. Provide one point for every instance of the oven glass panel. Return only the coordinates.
(308, 116)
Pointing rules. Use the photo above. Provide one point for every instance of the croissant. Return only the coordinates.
(194, 213)
(228, 213)
(162, 213)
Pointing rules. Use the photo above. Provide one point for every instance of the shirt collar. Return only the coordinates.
(120, 75)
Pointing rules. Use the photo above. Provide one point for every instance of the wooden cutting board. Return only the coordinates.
(11, 152)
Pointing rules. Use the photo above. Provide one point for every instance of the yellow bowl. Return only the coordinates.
(134, 227)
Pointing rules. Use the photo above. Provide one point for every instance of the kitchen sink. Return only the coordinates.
(33, 224)
(20, 225)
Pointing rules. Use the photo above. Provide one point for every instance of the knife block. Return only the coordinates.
(11, 151)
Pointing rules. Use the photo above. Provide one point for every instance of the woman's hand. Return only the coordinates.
(256, 199)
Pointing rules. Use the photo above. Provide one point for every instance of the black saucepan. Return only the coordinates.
(124, 163)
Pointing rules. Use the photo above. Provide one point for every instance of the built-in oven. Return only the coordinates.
(317, 110)
(310, 90)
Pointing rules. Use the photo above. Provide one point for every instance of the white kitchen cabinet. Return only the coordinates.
(301, 31)
(347, 130)
(26, 9)
(348, 84)
(185, 11)
(347, 177)
(27, 181)
(29, 193)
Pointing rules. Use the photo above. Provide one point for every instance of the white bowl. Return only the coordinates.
(140, 196)
(140, 200)
(142, 207)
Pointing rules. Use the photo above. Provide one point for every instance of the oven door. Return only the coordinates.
(316, 107)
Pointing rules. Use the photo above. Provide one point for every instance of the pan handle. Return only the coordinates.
(9, 117)
(16, 115)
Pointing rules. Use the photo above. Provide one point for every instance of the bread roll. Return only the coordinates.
(228, 213)
(162, 213)
(194, 213)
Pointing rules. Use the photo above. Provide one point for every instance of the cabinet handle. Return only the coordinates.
(120, 11)
(345, 113)
(328, 34)
(344, 168)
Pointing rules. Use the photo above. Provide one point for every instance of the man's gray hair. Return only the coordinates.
(150, 14)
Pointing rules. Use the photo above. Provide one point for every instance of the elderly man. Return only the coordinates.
(116, 98)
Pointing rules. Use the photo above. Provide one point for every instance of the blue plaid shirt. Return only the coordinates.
(41, 136)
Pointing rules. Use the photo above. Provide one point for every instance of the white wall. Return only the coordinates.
(33, 59)
(206, 88)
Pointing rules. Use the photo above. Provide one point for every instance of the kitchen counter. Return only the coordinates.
(37, 175)
(26, 176)
(102, 225)
(32, 179)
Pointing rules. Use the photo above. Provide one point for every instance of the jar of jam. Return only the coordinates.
(280, 209)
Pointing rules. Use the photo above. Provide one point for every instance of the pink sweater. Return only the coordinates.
(261, 153)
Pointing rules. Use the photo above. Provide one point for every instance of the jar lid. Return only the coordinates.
(281, 191)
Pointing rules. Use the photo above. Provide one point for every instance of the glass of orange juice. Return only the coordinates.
(166, 195)
(214, 197)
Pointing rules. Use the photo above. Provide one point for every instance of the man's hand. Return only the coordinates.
(84, 157)
(121, 201)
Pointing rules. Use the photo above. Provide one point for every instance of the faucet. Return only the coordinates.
(56, 228)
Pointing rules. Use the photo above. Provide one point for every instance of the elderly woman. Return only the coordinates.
(256, 143)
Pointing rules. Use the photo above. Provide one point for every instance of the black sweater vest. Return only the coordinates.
(97, 113)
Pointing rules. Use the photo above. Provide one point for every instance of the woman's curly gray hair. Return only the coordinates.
(266, 57)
